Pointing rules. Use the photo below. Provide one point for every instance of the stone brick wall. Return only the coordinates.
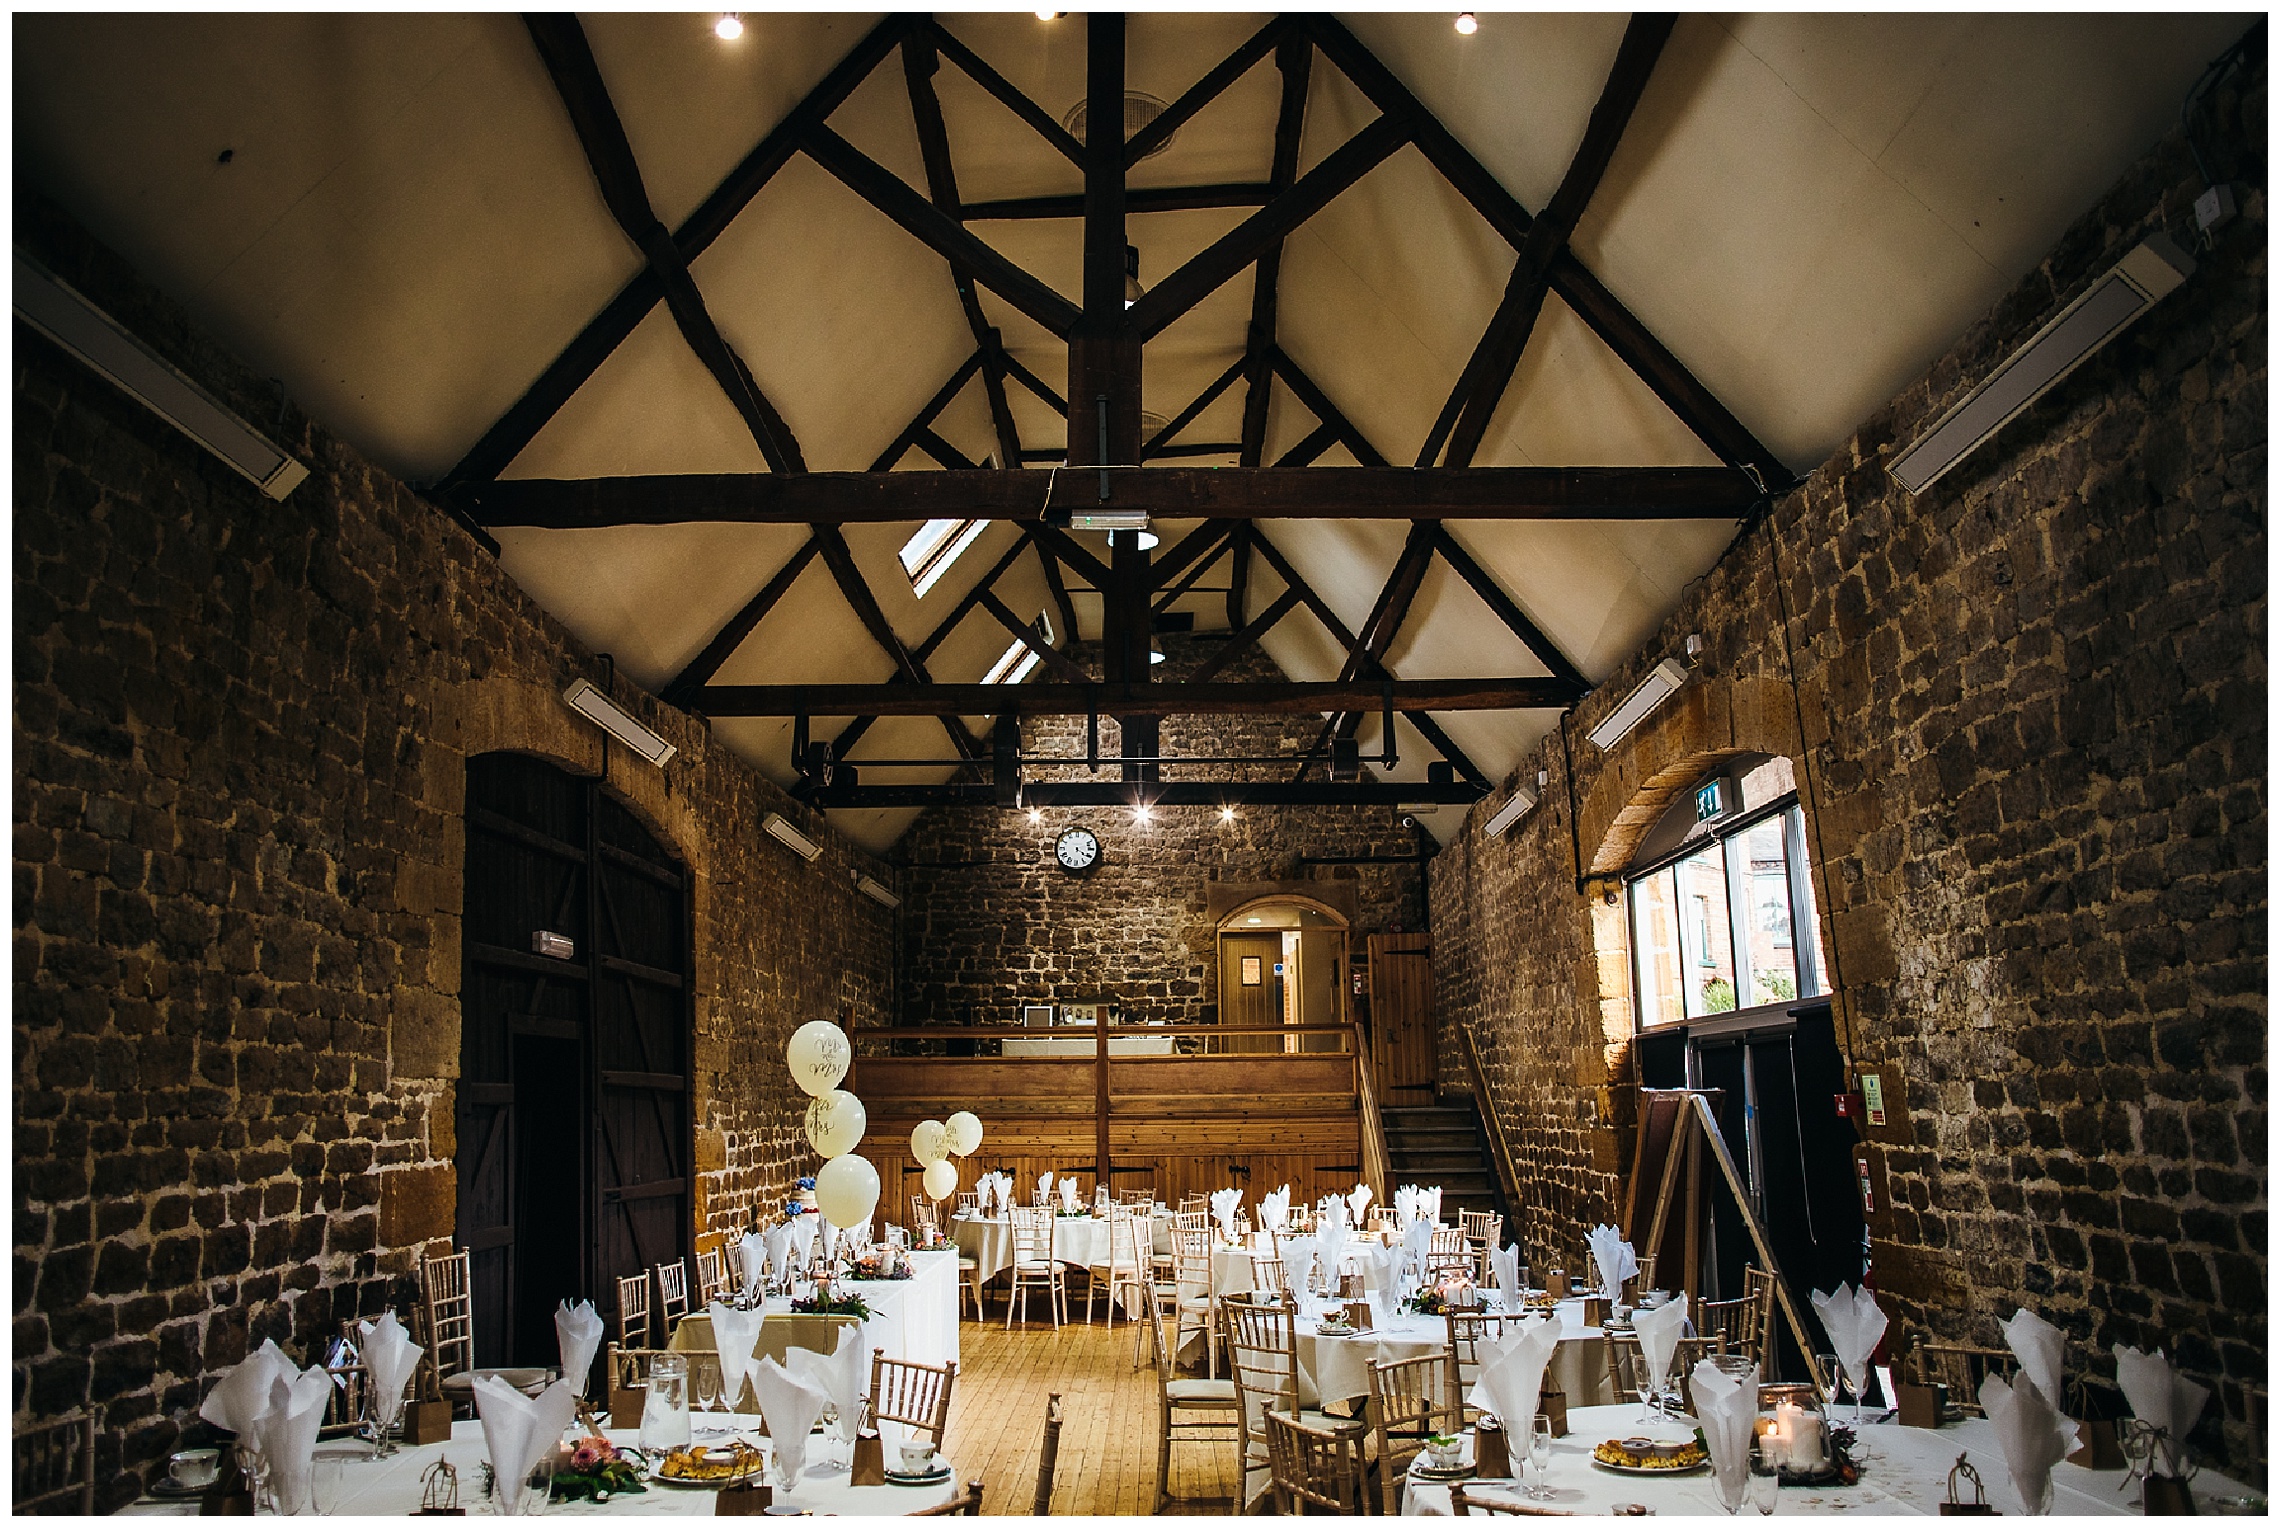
(991, 921)
(2030, 713)
(241, 733)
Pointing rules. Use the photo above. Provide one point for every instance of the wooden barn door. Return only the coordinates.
(541, 1185)
(1401, 1016)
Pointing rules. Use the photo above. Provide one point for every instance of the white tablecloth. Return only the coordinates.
(1085, 1045)
(1080, 1241)
(391, 1487)
(1337, 1368)
(915, 1319)
(1904, 1474)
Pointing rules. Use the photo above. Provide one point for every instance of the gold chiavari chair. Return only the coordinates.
(1962, 1369)
(672, 1296)
(712, 1282)
(55, 1467)
(1188, 1411)
(1034, 1265)
(1468, 1329)
(1190, 1292)
(1483, 1230)
(1409, 1402)
(914, 1394)
(1131, 1238)
(1313, 1469)
(633, 1311)
(1623, 1353)
(447, 1324)
(1262, 1357)
(1731, 1323)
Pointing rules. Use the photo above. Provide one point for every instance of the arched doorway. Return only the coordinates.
(574, 1131)
(1282, 961)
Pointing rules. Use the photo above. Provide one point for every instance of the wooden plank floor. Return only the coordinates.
(1108, 1409)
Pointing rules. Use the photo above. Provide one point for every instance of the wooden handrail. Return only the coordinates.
(1499, 1149)
(1076, 1031)
(1376, 1169)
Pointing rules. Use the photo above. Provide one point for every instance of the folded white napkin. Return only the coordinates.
(1274, 1210)
(1044, 1188)
(2032, 1434)
(2161, 1398)
(1330, 1252)
(577, 1332)
(1381, 1269)
(1614, 1257)
(1512, 1373)
(2041, 1351)
(1855, 1324)
(288, 1431)
(1429, 1204)
(754, 1254)
(1224, 1203)
(778, 1241)
(1505, 1262)
(1404, 1205)
(735, 1334)
(790, 1405)
(1298, 1261)
(831, 1236)
(1069, 1189)
(390, 1354)
(518, 1429)
(1417, 1244)
(840, 1374)
(1331, 1211)
(1357, 1202)
(241, 1397)
(803, 1229)
(1726, 1408)
(1659, 1330)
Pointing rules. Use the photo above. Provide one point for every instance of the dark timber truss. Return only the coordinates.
(1101, 409)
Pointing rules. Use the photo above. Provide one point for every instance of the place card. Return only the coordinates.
(1919, 1405)
(750, 1497)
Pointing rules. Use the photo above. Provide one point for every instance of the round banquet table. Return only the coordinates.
(1332, 1370)
(391, 1487)
(1080, 1241)
(1904, 1475)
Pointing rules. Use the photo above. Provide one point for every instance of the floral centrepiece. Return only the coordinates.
(1452, 1293)
(881, 1262)
(824, 1303)
(596, 1471)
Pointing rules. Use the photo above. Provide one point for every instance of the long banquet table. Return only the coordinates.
(391, 1487)
(915, 1319)
(1904, 1474)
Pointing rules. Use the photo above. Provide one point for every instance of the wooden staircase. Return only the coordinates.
(1441, 1143)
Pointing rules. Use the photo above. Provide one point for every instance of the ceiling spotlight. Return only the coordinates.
(1035, 815)
(730, 26)
(1467, 23)
(1155, 650)
(1141, 813)
(1226, 814)
(1051, 15)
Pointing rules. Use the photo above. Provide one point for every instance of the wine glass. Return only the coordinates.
(1764, 1484)
(1643, 1381)
(324, 1483)
(1540, 1455)
(538, 1487)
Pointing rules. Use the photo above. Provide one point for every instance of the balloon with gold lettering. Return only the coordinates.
(819, 1055)
(929, 1142)
(835, 1123)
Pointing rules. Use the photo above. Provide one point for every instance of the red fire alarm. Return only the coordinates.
(1851, 1106)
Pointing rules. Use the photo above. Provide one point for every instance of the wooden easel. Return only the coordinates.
(1676, 1131)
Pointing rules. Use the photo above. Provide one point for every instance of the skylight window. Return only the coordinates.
(928, 555)
(1017, 661)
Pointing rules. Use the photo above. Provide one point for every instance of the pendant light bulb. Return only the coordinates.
(1467, 23)
(1132, 287)
(1051, 15)
(730, 26)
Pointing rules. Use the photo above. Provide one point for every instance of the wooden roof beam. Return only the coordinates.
(1294, 57)
(1204, 91)
(1171, 493)
(1262, 698)
(732, 633)
(569, 60)
(978, 70)
(1680, 390)
(1237, 193)
(608, 329)
(1489, 369)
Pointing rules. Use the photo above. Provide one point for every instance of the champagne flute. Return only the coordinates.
(706, 1383)
(1765, 1484)
(1540, 1454)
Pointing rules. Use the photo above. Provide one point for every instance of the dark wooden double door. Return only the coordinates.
(574, 1130)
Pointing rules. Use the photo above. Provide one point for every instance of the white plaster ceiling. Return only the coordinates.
(1806, 209)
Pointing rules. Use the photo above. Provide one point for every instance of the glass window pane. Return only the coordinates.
(1705, 933)
(1812, 960)
(1654, 945)
(1764, 869)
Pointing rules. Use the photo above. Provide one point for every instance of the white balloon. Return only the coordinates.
(941, 1178)
(835, 1123)
(929, 1142)
(847, 1190)
(819, 1054)
(965, 1132)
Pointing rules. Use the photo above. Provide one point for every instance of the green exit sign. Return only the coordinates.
(1709, 800)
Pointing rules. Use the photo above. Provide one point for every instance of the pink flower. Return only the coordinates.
(585, 1458)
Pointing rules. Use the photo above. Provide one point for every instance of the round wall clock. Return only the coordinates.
(1077, 851)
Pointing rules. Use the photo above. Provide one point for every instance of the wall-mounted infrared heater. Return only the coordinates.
(1661, 683)
(2145, 275)
(1519, 804)
(587, 699)
(144, 375)
(781, 830)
